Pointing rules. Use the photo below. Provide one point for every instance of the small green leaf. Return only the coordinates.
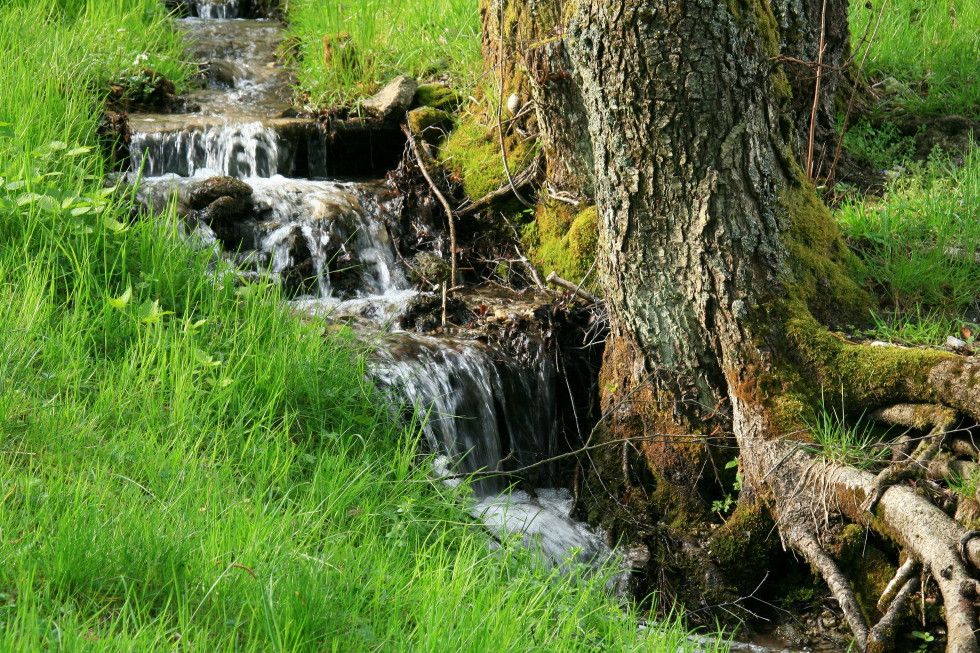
(27, 198)
(81, 210)
(106, 192)
(78, 150)
(57, 146)
(7, 130)
(121, 301)
(16, 185)
(114, 225)
(149, 311)
(205, 359)
(194, 327)
(49, 204)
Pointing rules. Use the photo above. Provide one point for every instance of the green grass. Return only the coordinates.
(376, 40)
(919, 242)
(183, 465)
(931, 48)
(845, 441)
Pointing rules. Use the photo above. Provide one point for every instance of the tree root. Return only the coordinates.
(806, 543)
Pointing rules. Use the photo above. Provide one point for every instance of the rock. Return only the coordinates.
(429, 123)
(224, 73)
(223, 203)
(955, 343)
(393, 100)
(215, 187)
(438, 96)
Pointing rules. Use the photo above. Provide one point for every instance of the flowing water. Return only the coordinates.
(327, 241)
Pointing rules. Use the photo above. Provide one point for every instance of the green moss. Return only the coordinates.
(472, 154)
(429, 123)
(438, 96)
(743, 546)
(757, 15)
(865, 563)
(564, 240)
(867, 375)
(820, 263)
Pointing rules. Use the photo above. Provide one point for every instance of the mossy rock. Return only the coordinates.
(564, 239)
(429, 123)
(438, 96)
(472, 154)
(429, 268)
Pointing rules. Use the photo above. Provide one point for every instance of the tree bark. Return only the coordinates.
(723, 272)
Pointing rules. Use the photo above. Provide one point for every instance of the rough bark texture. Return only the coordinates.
(722, 272)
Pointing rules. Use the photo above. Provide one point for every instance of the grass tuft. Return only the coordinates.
(348, 50)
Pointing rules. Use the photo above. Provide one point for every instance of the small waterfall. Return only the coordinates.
(236, 149)
(327, 232)
(214, 9)
(487, 411)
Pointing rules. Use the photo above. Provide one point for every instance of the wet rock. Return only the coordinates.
(223, 203)
(393, 100)
(213, 188)
(438, 96)
(424, 314)
(224, 74)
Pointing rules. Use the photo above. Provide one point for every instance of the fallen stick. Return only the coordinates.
(568, 285)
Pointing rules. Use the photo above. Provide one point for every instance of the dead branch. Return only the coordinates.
(882, 636)
(807, 544)
(568, 285)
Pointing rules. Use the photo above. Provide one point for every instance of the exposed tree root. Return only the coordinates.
(926, 534)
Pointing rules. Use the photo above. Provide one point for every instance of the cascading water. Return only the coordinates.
(328, 243)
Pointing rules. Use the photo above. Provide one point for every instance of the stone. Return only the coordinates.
(393, 100)
(224, 73)
(215, 187)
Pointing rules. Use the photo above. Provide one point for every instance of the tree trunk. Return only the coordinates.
(722, 272)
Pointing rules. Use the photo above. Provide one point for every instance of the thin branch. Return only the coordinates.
(816, 91)
(442, 200)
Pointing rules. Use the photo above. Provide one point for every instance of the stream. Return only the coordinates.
(325, 240)
(317, 223)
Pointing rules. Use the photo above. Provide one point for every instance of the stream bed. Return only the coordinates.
(325, 240)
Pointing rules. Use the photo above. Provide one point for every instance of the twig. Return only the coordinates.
(530, 269)
(816, 91)
(522, 180)
(573, 288)
(904, 572)
(500, 108)
(442, 200)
